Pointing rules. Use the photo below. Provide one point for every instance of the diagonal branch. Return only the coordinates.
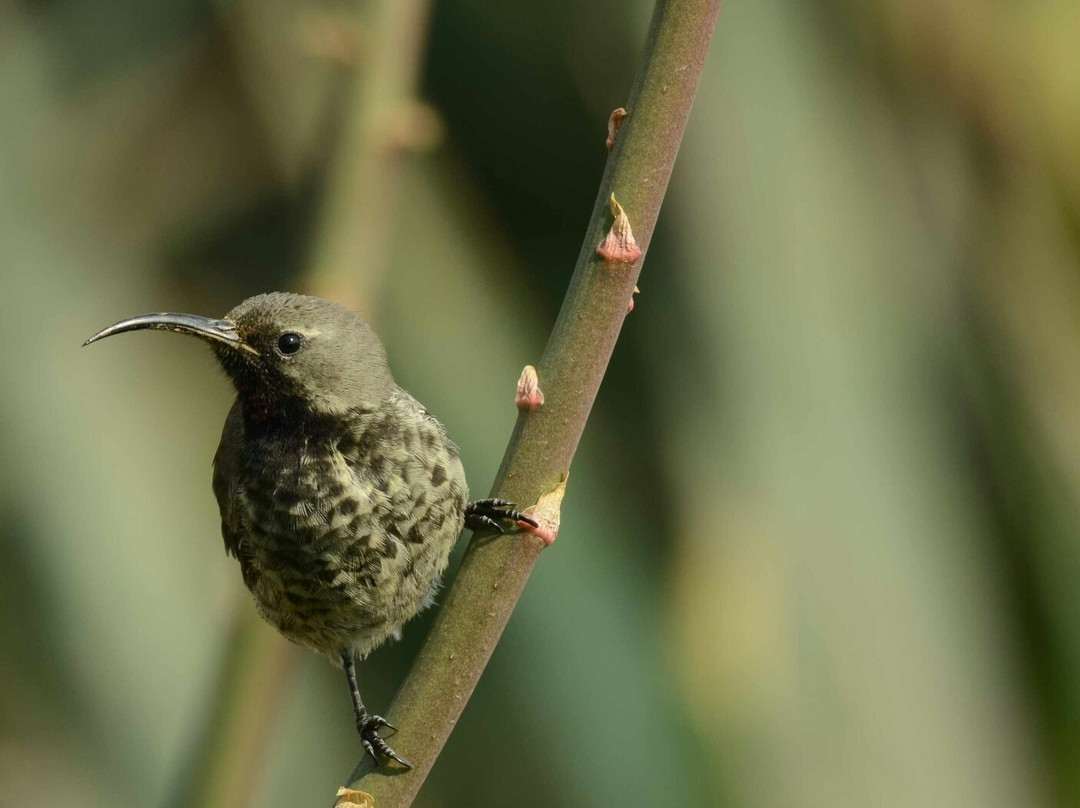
(494, 570)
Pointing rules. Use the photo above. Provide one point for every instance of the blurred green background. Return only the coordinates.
(820, 547)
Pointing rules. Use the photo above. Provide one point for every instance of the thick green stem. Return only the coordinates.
(494, 570)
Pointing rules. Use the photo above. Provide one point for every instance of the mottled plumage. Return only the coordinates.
(340, 496)
(342, 526)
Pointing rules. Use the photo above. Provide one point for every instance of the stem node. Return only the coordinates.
(619, 246)
(529, 395)
(613, 124)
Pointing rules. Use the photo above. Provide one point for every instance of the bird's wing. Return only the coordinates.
(226, 477)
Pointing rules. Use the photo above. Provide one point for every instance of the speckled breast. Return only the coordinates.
(346, 534)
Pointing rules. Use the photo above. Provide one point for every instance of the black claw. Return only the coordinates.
(487, 521)
(374, 744)
(371, 751)
(368, 725)
(487, 513)
(392, 754)
(494, 502)
(517, 516)
(378, 721)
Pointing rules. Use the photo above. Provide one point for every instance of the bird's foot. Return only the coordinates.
(488, 513)
(368, 726)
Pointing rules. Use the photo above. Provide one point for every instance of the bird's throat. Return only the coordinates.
(257, 406)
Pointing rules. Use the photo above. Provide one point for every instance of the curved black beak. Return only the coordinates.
(223, 331)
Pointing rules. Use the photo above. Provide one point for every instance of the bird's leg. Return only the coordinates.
(368, 725)
(487, 513)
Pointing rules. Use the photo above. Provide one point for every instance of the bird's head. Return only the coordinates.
(287, 353)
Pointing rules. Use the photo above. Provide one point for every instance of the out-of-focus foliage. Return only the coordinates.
(822, 538)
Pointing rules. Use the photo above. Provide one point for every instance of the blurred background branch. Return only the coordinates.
(238, 720)
(386, 118)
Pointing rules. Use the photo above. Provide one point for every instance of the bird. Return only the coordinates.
(340, 495)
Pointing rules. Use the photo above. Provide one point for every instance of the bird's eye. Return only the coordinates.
(289, 343)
